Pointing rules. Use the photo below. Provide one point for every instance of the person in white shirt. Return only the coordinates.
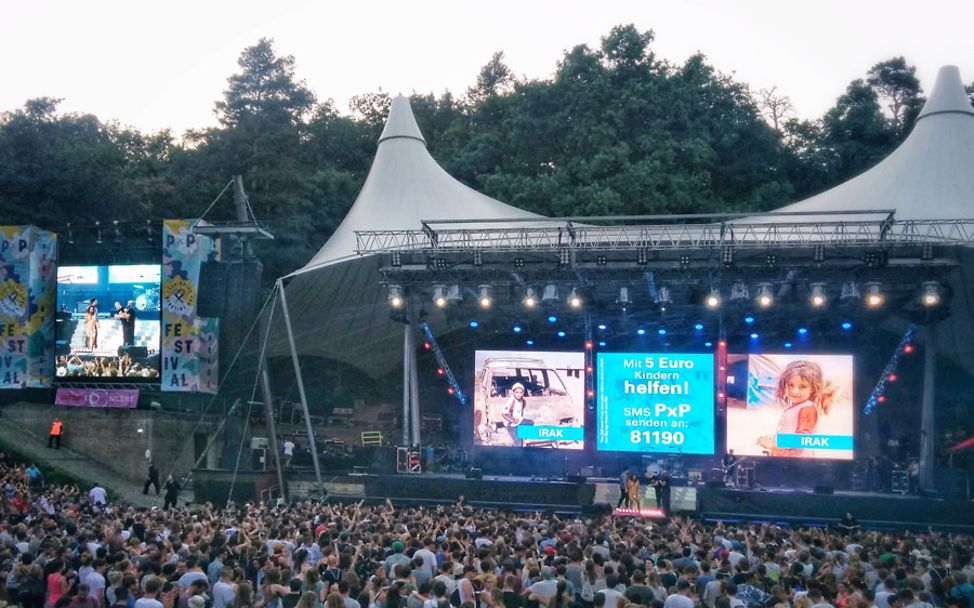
(428, 556)
(288, 452)
(225, 590)
(98, 495)
(153, 586)
(680, 599)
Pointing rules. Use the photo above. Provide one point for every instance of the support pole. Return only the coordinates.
(413, 382)
(928, 436)
(297, 373)
(265, 385)
(407, 347)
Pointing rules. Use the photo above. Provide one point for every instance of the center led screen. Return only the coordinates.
(529, 399)
(655, 403)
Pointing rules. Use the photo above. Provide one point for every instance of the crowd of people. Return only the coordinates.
(63, 547)
(103, 367)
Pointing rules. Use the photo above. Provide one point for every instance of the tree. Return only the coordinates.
(897, 85)
(856, 132)
(776, 108)
(495, 78)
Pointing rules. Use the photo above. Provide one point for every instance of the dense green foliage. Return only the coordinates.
(616, 130)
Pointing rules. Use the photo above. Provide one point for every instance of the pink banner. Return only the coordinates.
(91, 397)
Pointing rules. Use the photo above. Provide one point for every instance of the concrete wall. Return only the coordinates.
(113, 437)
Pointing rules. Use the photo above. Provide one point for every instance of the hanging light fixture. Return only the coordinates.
(394, 296)
(550, 294)
(764, 298)
(850, 292)
(712, 301)
(439, 296)
(485, 297)
(874, 294)
(931, 294)
(818, 299)
(663, 299)
(574, 299)
(530, 298)
(739, 292)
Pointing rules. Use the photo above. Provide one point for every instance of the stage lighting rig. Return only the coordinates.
(564, 257)
(818, 254)
(395, 297)
(575, 299)
(478, 258)
(727, 255)
(550, 294)
(712, 301)
(530, 298)
(931, 294)
(439, 296)
(485, 297)
(519, 262)
(850, 292)
(642, 256)
(623, 300)
(818, 299)
(739, 292)
(663, 299)
(874, 294)
(765, 297)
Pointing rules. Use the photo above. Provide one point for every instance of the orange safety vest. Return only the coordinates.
(56, 427)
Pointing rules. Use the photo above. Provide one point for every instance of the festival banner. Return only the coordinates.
(28, 259)
(183, 255)
(127, 398)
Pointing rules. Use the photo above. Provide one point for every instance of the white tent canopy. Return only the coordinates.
(336, 302)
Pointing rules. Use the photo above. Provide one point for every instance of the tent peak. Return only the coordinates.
(948, 95)
(401, 123)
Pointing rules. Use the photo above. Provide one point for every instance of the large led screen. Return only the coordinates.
(529, 399)
(656, 403)
(790, 406)
(108, 323)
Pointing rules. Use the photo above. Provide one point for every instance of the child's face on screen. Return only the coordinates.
(797, 389)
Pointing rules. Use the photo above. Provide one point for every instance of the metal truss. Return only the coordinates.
(688, 232)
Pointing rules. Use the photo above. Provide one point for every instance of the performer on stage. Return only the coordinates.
(633, 490)
(128, 324)
(91, 325)
(661, 485)
(729, 462)
(514, 412)
(623, 488)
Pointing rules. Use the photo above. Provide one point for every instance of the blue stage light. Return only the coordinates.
(754, 336)
(698, 327)
(552, 319)
(530, 342)
(641, 331)
(602, 326)
(708, 344)
(561, 334)
(787, 344)
(749, 319)
(803, 330)
(474, 324)
(602, 344)
(846, 325)
(517, 329)
(661, 331)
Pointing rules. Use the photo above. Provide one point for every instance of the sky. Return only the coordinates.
(154, 69)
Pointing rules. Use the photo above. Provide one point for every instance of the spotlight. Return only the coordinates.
(601, 260)
(802, 331)
(396, 259)
(850, 292)
(550, 294)
(926, 253)
(739, 292)
(98, 230)
(787, 344)
(478, 258)
(698, 327)
(394, 296)
(530, 342)
(602, 326)
(712, 300)
(727, 255)
(561, 334)
(892, 377)
(564, 257)
(661, 331)
(454, 295)
(517, 329)
(764, 298)
(623, 300)
(771, 260)
(846, 325)
(754, 336)
(874, 294)
(663, 299)
(530, 298)
(907, 349)
(708, 344)
(931, 294)
(519, 262)
(818, 298)
(574, 300)
(486, 297)
(642, 256)
(641, 331)
(439, 296)
(749, 319)
(684, 260)
(818, 254)
(437, 263)
(474, 324)
(602, 344)
(552, 319)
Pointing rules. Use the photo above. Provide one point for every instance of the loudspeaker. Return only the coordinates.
(136, 352)
(212, 289)
(474, 473)
(715, 484)
(824, 490)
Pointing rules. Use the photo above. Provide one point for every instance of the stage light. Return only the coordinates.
(517, 329)
(602, 326)
(641, 331)
(439, 263)
(712, 300)
(486, 296)
(818, 254)
(642, 256)
(561, 334)
(892, 377)
(818, 298)
(727, 255)
(149, 236)
(846, 325)
(787, 344)
(739, 292)
(623, 300)
(118, 233)
(698, 327)
(590, 393)
(550, 294)
(601, 260)
(850, 292)
(530, 298)
(449, 390)
(396, 259)
(874, 294)
(684, 260)
(661, 331)
(588, 345)
(764, 298)
(663, 299)
(519, 262)
(474, 324)
(771, 260)
(564, 257)
(749, 319)
(454, 295)
(754, 336)
(602, 344)
(439, 296)
(908, 349)
(574, 300)
(98, 231)
(427, 345)
(552, 319)
(802, 330)
(881, 399)
(931, 294)
(478, 258)
(530, 342)
(926, 253)
(589, 369)
(440, 371)
(394, 296)
(70, 235)
(708, 344)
